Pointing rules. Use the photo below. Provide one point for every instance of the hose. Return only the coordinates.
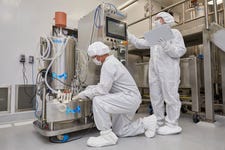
(59, 53)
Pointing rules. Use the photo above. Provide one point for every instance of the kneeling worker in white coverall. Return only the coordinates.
(115, 100)
(164, 75)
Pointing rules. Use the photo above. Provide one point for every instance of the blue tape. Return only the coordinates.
(64, 75)
(58, 41)
(73, 111)
(65, 138)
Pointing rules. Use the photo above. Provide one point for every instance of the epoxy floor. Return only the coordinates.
(201, 136)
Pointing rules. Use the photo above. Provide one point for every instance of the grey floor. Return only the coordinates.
(201, 136)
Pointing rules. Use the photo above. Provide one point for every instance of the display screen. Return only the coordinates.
(115, 28)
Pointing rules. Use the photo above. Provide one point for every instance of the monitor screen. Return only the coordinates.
(115, 28)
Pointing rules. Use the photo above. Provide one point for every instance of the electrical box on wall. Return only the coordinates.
(22, 58)
(31, 59)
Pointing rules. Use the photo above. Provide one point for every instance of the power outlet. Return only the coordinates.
(22, 58)
(31, 60)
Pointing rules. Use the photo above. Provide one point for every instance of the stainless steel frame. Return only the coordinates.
(195, 84)
(50, 133)
(88, 33)
(222, 62)
(202, 28)
(208, 77)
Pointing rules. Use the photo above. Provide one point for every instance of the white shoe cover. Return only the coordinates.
(168, 130)
(150, 124)
(106, 138)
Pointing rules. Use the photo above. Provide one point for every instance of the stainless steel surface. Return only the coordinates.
(222, 62)
(223, 12)
(164, 9)
(150, 14)
(51, 126)
(187, 28)
(216, 38)
(141, 77)
(184, 73)
(127, 5)
(8, 87)
(43, 103)
(208, 77)
(195, 84)
(215, 11)
(75, 127)
(86, 37)
(88, 33)
(183, 13)
(65, 63)
(187, 73)
(43, 46)
(54, 114)
(206, 15)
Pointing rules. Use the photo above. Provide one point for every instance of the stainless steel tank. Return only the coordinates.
(55, 113)
(63, 67)
(141, 77)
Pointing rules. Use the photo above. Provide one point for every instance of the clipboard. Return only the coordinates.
(154, 35)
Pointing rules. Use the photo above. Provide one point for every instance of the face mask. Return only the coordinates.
(98, 63)
(157, 23)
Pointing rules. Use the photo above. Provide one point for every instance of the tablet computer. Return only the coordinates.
(153, 36)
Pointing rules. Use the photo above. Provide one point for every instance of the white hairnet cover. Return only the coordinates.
(97, 48)
(169, 19)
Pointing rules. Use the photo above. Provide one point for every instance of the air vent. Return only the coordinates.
(25, 97)
(4, 98)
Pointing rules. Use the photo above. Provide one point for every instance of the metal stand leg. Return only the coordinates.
(208, 77)
(195, 82)
(222, 62)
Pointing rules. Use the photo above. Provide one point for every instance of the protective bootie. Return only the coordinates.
(106, 138)
(168, 130)
(150, 124)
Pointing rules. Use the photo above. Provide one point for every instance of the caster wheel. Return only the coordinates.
(59, 138)
(184, 109)
(150, 109)
(196, 118)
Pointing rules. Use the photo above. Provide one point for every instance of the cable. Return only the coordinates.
(97, 17)
(25, 82)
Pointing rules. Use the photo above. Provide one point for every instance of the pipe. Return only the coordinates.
(223, 13)
(150, 14)
(127, 5)
(171, 6)
(215, 11)
(44, 104)
(206, 15)
(183, 13)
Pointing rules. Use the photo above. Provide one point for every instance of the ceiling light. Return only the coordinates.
(127, 4)
(217, 1)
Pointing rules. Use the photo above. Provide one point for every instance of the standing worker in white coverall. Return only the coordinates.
(115, 100)
(164, 75)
